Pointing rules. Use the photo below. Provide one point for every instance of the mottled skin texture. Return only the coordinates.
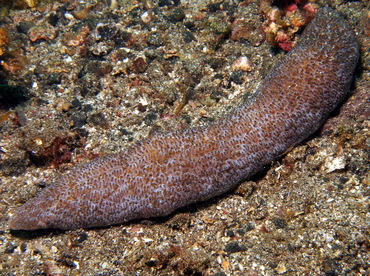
(167, 171)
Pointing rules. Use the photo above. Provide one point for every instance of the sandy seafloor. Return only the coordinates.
(100, 75)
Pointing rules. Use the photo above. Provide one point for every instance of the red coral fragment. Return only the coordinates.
(284, 41)
(284, 19)
(57, 152)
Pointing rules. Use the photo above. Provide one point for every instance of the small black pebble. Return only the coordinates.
(25, 26)
(76, 104)
(42, 184)
(82, 132)
(23, 247)
(106, 32)
(237, 77)
(79, 119)
(125, 131)
(162, 3)
(152, 263)
(82, 237)
(240, 232)
(53, 19)
(98, 119)
(88, 108)
(150, 118)
(249, 227)
(280, 223)
(188, 37)
(53, 79)
(214, 7)
(230, 233)
(176, 16)
(190, 25)
(122, 38)
(233, 247)
(9, 248)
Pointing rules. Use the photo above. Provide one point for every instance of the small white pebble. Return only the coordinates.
(333, 164)
(148, 240)
(69, 16)
(243, 63)
(146, 17)
(68, 60)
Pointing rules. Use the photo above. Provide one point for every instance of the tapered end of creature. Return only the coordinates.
(23, 220)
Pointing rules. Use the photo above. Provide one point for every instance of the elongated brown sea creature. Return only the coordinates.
(167, 171)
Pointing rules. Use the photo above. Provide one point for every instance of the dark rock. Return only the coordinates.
(98, 119)
(79, 119)
(234, 246)
(237, 77)
(280, 223)
(176, 16)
